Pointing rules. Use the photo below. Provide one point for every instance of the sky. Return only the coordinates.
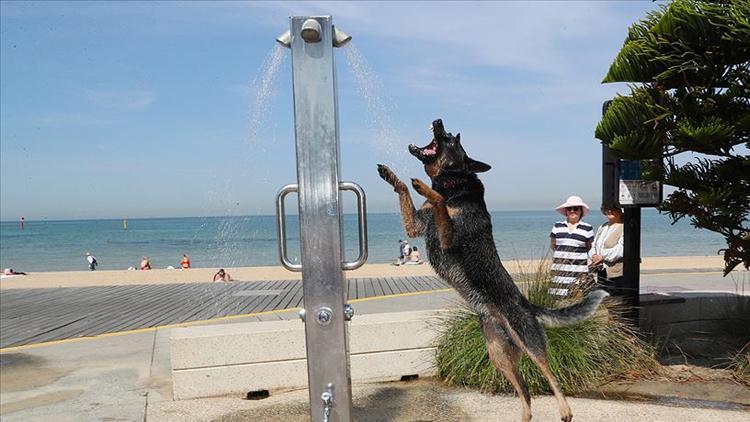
(170, 109)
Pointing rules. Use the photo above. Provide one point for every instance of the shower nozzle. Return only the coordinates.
(340, 37)
(285, 39)
(311, 30)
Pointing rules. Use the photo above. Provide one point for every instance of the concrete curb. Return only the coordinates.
(240, 358)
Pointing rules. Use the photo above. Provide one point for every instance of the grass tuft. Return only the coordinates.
(740, 365)
(582, 356)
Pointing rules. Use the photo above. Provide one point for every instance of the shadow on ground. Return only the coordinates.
(402, 401)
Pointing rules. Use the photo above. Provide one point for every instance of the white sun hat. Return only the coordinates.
(573, 201)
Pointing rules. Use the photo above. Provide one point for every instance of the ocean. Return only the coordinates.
(215, 242)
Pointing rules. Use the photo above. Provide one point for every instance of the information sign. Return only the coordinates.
(633, 191)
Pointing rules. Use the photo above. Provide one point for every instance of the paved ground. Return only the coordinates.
(126, 377)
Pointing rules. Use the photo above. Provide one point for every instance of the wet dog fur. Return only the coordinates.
(458, 235)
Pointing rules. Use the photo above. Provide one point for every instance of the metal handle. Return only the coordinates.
(281, 226)
(362, 220)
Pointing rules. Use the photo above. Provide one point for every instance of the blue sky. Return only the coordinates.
(143, 109)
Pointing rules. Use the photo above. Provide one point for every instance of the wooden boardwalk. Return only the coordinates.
(30, 316)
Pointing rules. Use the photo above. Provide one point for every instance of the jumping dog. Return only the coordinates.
(458, 235)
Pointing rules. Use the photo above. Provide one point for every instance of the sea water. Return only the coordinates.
(251, 241)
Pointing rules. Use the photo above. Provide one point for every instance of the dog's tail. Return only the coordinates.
(572, 314)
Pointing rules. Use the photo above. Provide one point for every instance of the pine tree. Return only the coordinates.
(689, 112)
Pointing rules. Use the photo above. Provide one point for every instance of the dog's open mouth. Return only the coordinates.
(429, 153)
(425, 154)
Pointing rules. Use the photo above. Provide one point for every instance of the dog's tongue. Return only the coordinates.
(430, 149)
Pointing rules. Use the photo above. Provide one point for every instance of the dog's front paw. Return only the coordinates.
(420, 187)
(385, 173)
(388, 175)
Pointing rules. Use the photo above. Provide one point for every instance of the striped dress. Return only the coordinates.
(570, 257)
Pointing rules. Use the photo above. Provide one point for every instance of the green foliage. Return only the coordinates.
(689, 109)
(740, 365)
(582, 356)
(688, 42)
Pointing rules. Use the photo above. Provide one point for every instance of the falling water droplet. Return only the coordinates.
(263, 88)
(387, 139)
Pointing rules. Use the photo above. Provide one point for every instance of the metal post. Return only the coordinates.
(609, 171)
(632, 262)
(631, 230)
(609, 178)
(318, 175)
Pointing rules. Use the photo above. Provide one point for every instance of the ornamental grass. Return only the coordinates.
(740, 365)
(582, 356)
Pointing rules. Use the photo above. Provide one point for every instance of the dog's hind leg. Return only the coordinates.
(413, 221)
(505, 355)
(527, 333)
(540, 359)
(442, 218)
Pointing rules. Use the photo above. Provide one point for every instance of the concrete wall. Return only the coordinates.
(679, 313)
(701, 328)
(239, 358)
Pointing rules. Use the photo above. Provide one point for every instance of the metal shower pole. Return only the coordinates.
(311, 40)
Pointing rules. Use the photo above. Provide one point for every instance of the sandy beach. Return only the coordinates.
(204, 275)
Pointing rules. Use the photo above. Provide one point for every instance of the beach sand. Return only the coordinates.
(204, 275)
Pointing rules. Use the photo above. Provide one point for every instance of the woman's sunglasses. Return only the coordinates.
(572, 208)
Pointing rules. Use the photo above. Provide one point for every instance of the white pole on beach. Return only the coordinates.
(311, 40)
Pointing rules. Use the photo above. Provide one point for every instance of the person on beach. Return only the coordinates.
(145, 263)
(570, 241)
(403, 252)
(607, 252)
(11, 271)
(222, 275)
(185, 263)
(414, 257)
(92, 261)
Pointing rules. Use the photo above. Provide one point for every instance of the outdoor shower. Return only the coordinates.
(311, 40)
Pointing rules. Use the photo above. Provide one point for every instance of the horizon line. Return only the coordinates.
(56, 219)
(210, 216)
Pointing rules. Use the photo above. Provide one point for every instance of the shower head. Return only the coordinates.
(340, 37)
(311, 32)
(285, 39)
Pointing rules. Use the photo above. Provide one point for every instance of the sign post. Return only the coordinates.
(623, 186)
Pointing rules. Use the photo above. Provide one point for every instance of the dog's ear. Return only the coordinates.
(477, 166)
(458, 137)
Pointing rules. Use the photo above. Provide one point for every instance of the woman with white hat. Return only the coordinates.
(570, 241)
